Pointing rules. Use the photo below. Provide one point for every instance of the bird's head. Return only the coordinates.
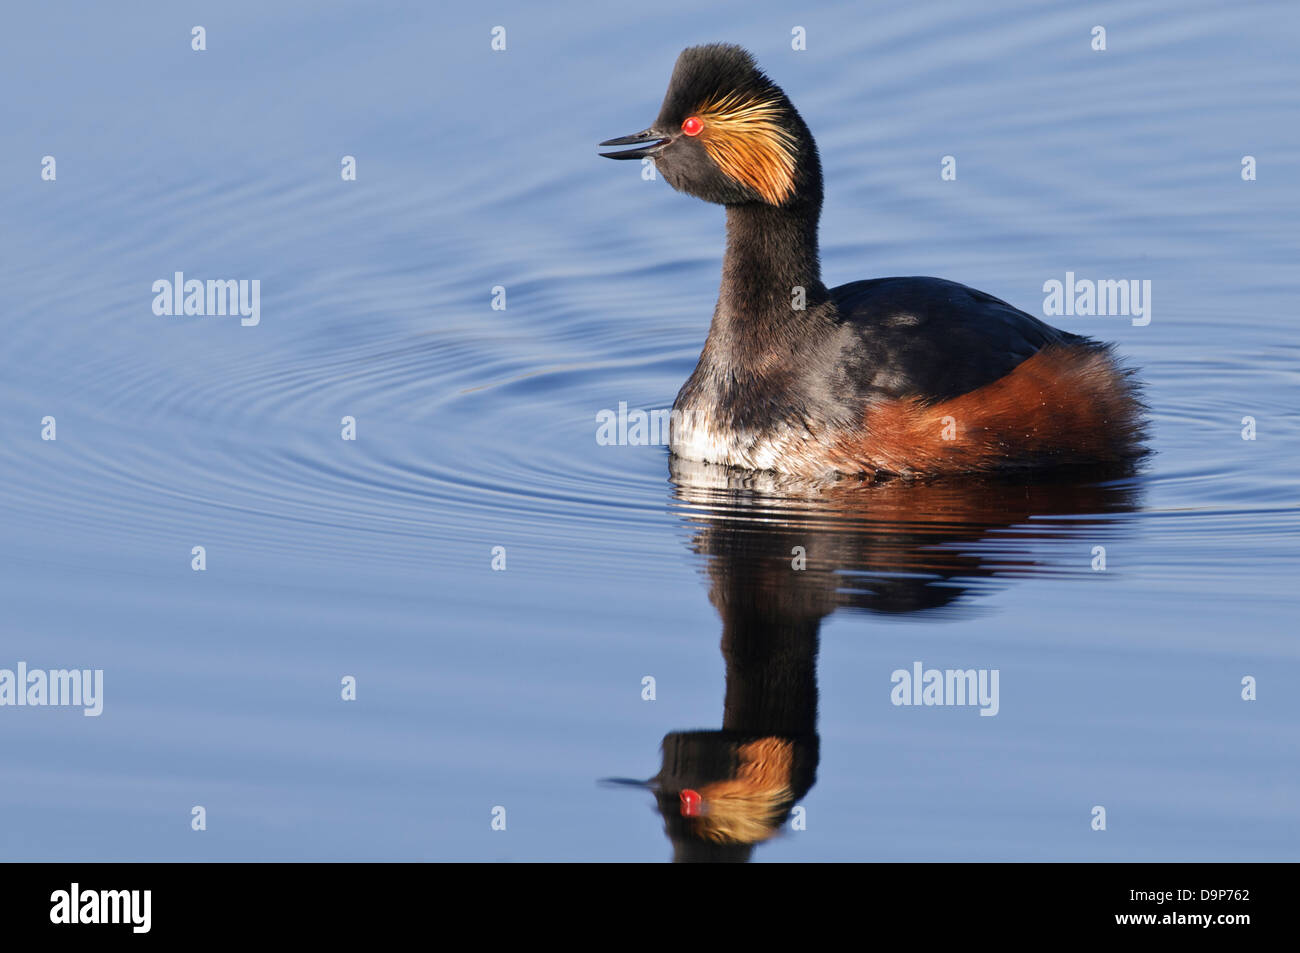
(728, 134)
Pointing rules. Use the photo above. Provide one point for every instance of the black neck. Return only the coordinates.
(771, 252)
(771, 672)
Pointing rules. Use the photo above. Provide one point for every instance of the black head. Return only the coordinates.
(728, 134)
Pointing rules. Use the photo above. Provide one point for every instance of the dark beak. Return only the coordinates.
(651, 143)
(629, 783)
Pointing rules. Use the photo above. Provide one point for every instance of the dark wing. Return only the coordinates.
(936, 339)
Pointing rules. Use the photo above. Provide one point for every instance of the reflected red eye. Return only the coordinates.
(692, 126)
(691, 802)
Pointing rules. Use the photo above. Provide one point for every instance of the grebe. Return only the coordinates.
(888, 376)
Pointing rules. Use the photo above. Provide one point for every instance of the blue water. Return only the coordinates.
(522, 688)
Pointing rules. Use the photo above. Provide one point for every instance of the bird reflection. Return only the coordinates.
(780, 556)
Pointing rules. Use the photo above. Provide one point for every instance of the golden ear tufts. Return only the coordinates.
(748, 808)
(746, 139)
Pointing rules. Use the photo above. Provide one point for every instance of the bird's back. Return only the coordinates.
(935, 339)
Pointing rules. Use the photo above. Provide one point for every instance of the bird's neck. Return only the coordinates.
(771, 279)
(771, 671)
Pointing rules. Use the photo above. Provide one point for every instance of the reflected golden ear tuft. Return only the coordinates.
(748, 808)
(747, 141)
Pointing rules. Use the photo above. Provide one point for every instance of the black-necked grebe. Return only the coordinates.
(910, 376)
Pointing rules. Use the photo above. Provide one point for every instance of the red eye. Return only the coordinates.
(692, 126)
